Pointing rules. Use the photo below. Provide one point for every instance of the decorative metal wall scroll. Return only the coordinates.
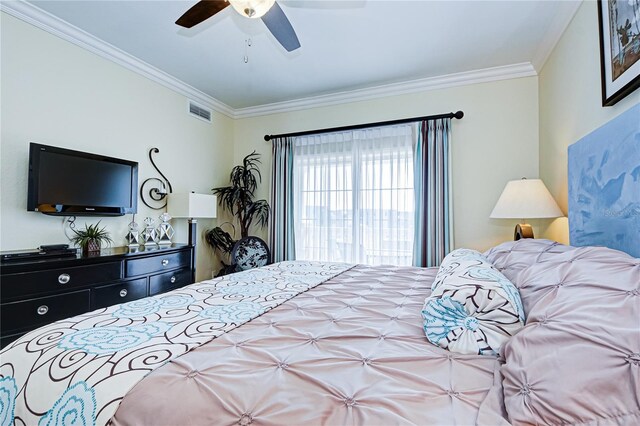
(155, 197)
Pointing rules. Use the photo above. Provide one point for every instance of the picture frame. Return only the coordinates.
(619, 48)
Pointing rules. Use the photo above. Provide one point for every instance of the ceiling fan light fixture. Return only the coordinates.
(252, 8)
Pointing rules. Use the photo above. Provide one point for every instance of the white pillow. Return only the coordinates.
(473, 308)
(457, 260)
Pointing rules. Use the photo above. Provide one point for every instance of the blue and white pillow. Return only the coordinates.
(473, 308)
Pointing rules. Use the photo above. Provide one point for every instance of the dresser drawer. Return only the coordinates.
(36, 312)
(56, 280)
(169, 281)
(122, 292)
(158, 263)
(5, 340)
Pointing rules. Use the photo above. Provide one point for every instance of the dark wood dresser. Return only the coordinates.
(37, 292)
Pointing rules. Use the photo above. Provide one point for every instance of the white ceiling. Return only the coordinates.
(346, 45)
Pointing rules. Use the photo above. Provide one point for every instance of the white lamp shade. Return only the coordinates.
(525, 199)
(192, 205)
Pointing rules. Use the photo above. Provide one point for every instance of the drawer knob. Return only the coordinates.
(123, 292)
(165, 262)
(173, 279)
(42, 310)
(64, 278)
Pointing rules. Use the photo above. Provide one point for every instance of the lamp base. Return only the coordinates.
(193, 223)
(193, 238)
(523, 230)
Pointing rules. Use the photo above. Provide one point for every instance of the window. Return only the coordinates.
(354, 199)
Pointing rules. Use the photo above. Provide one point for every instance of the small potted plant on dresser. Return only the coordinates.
(91, 238)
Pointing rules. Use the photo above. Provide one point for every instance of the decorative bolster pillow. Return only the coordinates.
(473, 308)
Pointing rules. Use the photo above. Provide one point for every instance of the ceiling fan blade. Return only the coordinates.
(202, 11)
(281, 28)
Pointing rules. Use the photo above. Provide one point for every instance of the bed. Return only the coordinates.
(339, 344)
(334, 344)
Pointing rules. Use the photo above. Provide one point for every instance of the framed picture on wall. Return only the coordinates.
(619, 22)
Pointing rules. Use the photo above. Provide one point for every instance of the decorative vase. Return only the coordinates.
(149, 232)
(133, 236)
(250, 252)
(92, 248)
(164, 231)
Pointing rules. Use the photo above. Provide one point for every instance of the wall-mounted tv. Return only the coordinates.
(73, 183)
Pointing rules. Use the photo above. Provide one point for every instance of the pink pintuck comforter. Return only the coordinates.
(350, 351)
(333, 344)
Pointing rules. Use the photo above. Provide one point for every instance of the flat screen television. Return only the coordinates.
(64, 182)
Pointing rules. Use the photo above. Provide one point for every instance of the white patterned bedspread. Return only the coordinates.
(76, 371)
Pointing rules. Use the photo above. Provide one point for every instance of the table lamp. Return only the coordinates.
(525, 198)
(192, 206)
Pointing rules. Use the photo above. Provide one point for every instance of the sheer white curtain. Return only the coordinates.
(354, 197)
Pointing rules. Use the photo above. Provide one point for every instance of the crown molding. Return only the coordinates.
(425, 84)
(37, 17)
(556, 30)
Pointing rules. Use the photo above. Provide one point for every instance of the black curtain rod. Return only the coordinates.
(457, 115)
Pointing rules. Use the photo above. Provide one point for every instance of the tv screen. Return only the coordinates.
(66, 182)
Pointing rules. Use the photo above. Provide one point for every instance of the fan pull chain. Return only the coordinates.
(247, 43)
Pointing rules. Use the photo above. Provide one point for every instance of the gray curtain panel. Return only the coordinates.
(432, 186)
(281, 235)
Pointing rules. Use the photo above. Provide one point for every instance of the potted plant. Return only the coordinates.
(91, 238)
(238, 199)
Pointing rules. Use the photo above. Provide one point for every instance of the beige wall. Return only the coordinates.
(56, 93)
(497, 140)
(571, 104)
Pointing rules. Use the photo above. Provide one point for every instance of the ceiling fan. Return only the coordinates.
(270, 12)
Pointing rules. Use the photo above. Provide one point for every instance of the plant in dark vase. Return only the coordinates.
(91, 239)
(238, 200)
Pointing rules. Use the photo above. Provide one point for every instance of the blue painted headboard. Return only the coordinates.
(604, 185)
